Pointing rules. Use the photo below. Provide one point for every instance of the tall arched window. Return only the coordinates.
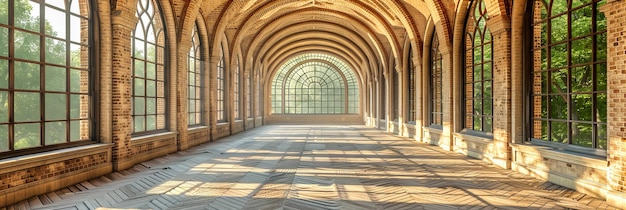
(383, 97)
(148, 57)
(568, 81)
(221, 102)
(195, 81)
(236, 91)
(314, 84)
(411, 81)
(436, 87)
(478, 65)
(45, 75)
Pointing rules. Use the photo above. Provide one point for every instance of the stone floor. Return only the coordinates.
(314, 167)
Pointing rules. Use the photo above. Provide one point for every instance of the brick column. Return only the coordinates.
(615, 12)
(420, 118)
(500, 27)
(123, 23)
(182, 94)
(446, 140)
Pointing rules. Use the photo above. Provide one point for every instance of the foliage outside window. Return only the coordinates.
(411, 81)
(44, 73)
(436, 79)
(478, 70)
(220, 88)
(569, 73)
(236, 90)
(195, 71)
(148, 47)
(315, 84)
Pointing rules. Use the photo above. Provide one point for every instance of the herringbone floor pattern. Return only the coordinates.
(314, 167)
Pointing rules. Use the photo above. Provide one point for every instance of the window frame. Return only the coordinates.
(435, 100)
(198, 72)
(90, 93)
(534, 72)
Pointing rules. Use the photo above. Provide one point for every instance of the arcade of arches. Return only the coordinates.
(91, 87)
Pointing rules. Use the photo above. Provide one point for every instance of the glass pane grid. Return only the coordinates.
(568, 91)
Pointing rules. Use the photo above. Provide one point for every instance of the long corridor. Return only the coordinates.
(314, 167)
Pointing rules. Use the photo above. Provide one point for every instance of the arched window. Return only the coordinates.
(436, 87)
(221, 102)
(568, 81)
(45, 74)
(411, 81)
(148, 57)
(478, 90)
(314, 84)
(195, 81)
(236, 91)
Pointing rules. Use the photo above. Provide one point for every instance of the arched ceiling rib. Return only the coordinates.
(364, 32)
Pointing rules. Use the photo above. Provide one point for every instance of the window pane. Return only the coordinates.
(581, 50)
(139, 123)
(150, 71)
(79, 56)
(26, 76)
(139, 69)
(601, 104)
(55, 22)
(602, 137)
(56, 79)
(4, 137)
(56, 132)
(151, 122)
(151, 106)
(582, 79)
(26, 107)
(581, 21)
(78, 81)
(559, 132)
(4, 40)
(582, 134)
(27, 16)
(139, 87)
(27, 46)
(558, 106)
(582, 107)
(139, 106)
(75, 106)
(151, 89)
(4, 74)
(27, 135)
(4, 107)
(55, 106)
(4, 18)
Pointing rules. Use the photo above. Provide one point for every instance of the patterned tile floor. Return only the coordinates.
(314, 167)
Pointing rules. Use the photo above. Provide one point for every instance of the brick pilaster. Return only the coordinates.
(446, 141)
(615, 12)
(500, 27)
(182, 115)
(123, 23)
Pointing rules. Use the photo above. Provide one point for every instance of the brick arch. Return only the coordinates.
(442, 22)
(343, 42)
(499, 7)
(350, 9)
(264, 35)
